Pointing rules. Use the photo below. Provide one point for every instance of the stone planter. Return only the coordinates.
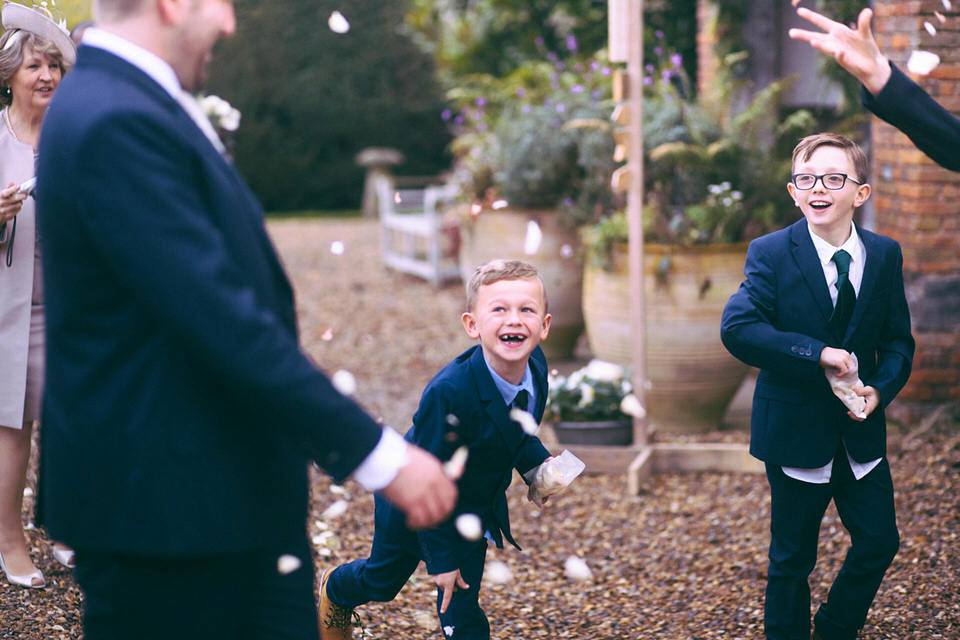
(606, 433)
(692, 377)
(501, 234)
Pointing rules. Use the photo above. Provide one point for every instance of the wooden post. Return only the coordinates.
(635, 213)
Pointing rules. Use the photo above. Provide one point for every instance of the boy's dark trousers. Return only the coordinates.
(866, 509)
(394, 557)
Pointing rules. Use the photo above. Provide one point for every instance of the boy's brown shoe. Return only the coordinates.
(335, 621)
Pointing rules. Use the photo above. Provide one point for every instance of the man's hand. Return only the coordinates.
(836, 360)
(873, 401)
(854, 50)
(448, 583)
(422, 490)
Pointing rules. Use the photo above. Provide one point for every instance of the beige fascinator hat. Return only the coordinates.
(39, 20)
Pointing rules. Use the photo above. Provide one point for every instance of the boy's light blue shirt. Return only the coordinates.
(510, 391)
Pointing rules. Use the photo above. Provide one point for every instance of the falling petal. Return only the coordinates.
(499, 204)
(932, 30)
(336, 248)
(287, 564)
(476, 208)
(344, 382)
(922, 62)
(531, 243)
(454, 466)
(469, 526)
(335, 510)
(947, 5)
(942, 18)
(631, 406)
(448, 630)
(327, 335)
(27, 492)
(339, 490)
(527, 422)
(337, 23)
(497, 572)
(566, 251)
(576, 569)
(453, 420)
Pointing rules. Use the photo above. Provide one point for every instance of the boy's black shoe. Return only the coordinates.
(335, 621)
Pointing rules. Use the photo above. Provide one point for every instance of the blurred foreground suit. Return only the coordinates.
(180, 414)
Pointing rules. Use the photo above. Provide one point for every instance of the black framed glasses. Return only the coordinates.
(832, 181)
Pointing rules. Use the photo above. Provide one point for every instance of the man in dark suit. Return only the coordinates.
(180, 414)
(887, 92)
(823, 296)
(467, 404)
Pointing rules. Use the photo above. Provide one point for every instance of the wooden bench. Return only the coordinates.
(413, 236)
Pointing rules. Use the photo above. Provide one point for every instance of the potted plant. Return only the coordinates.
(534, 154)
(712, 183)
(593, 405)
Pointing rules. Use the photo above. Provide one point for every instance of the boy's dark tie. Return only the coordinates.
(521, 400)
(846, 296)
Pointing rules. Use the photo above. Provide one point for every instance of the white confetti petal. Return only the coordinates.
(287, 564)
(448, 630)
(344, 382)
(932, 30)
(942, 18)
(566, 251)
(497, 572)
(335, 510)
(947, 5)
(499, 204)
(27, 492)
(527, 422)
(576, 569)
(327, 335)
(339, 490)
(469, 526)
(337, 23)
(922, 62)
(454, 466)
(631, 406)
(453, 420)
(531, 242)
(336, 248)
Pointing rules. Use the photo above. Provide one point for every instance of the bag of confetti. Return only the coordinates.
(844, 385)
(553, 476)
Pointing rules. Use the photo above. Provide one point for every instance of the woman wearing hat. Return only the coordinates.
(34, 54)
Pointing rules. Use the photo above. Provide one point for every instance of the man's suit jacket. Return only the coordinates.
(180, 413)
(778, 321)
(910, 109)
(462, 406)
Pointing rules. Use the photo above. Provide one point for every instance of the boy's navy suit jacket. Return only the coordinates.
(179, 414)
(778, 321)
(462, 406)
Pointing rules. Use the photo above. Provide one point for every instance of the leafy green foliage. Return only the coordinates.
(311, 99)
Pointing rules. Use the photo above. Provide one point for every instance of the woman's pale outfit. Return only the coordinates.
(21, 295)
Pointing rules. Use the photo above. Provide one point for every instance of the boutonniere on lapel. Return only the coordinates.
(224, 117)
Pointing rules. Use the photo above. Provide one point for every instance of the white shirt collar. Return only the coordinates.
(825, 250)
(148, 62)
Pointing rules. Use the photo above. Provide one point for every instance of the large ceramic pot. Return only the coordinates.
(692, 377)
(607, 432)
(502, 234)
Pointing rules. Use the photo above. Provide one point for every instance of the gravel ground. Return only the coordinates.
(685, 559)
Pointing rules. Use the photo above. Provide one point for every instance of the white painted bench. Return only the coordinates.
(412, 231)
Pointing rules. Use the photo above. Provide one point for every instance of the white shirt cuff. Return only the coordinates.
(382, 464)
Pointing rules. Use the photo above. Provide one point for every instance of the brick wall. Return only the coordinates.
(918, 203)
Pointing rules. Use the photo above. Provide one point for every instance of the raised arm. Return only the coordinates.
(855, 50)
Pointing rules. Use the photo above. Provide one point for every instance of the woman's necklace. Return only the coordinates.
(8, 120)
